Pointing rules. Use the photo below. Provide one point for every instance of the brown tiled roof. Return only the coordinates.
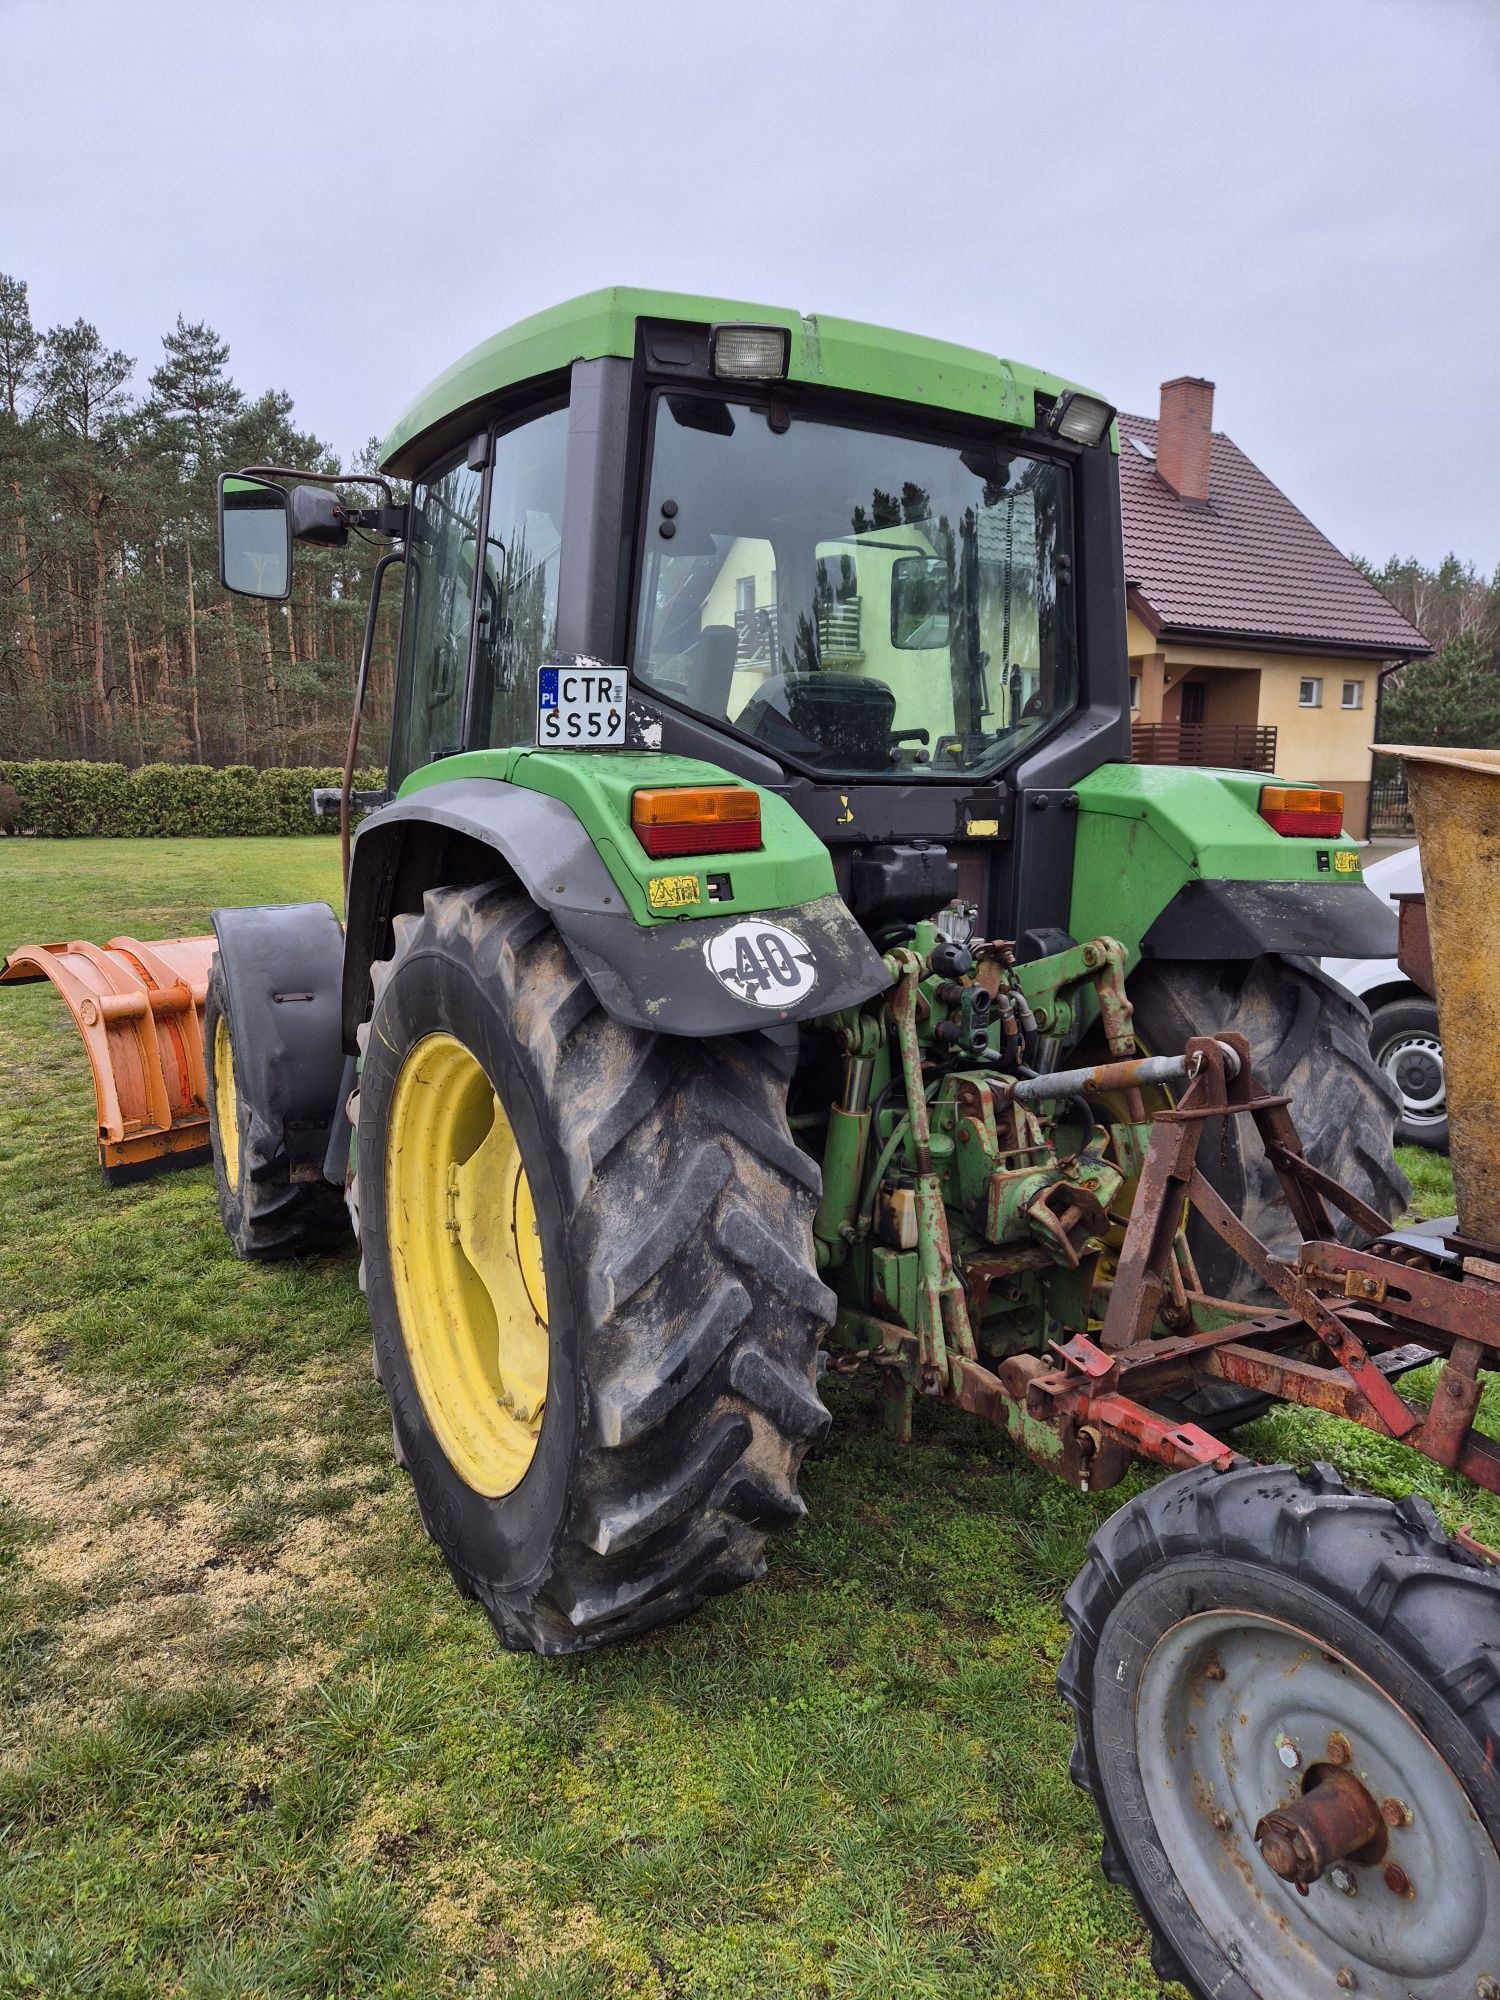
(1247, 567)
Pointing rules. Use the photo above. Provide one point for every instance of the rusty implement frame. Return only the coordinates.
(139, 1009)
(1346, 1315)
(1342, 1324)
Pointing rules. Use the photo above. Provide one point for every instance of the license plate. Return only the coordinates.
(580, 708)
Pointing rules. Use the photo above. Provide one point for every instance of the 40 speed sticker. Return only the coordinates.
(762, 963)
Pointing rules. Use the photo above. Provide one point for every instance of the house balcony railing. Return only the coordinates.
(1233, 746)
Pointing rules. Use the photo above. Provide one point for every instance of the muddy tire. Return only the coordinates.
(1309, 1039)
(266, 1214)
(682, 1303)
(1235, 1637)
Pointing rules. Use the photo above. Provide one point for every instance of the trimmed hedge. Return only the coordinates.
(169, 801)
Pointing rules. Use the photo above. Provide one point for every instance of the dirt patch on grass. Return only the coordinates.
(157, 1573)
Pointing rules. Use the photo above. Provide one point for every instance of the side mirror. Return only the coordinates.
(255, 537)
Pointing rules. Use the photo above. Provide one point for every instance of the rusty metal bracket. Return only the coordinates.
(1404, 1292)
(1342, 1342)
(1454, 1401)
(1178, 1446)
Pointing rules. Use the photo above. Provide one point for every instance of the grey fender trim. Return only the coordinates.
(647, 976)
(283, 968)
(1213, 920)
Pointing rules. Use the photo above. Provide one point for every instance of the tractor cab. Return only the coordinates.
(876, 572)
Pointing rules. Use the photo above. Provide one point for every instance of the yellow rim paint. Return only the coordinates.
(227, 1104)
(466, 1263)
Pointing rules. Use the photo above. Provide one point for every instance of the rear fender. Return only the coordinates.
(667, 977)
(1177, 863)
(283, 967)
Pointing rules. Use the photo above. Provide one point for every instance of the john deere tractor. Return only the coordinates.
(766, 958)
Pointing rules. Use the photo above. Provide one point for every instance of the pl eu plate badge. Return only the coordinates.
(581, 707)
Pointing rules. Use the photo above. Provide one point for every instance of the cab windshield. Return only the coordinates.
(862, 603)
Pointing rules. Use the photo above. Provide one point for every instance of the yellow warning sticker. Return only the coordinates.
(672, 892)
(1345, 861)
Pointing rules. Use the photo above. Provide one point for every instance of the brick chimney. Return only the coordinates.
(1183, 436)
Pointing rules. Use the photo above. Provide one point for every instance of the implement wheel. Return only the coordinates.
(589, 1261)
(1287, 1704)
(266, 1214)
(1309, 1039)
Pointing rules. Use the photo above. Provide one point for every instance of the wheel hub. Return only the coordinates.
(466, 1265)
(1334, 1817)
(1318, 1834)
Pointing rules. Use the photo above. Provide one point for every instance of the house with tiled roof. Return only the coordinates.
(1253, 641)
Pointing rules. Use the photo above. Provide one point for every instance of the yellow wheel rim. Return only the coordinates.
(227, 1104)
(466, 1264)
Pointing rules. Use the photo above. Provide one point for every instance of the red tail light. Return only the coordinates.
(1308, 815)
(696, 819)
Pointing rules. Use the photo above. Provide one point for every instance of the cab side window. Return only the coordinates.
(518, 595)
(434, 665)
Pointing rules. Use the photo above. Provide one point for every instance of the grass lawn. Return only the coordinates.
(253, 1744)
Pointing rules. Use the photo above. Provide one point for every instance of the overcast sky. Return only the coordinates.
(1301, 202)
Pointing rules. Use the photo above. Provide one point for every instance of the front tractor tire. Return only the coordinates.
(588, 1257)
(1287, 1702)
(1309, 1039)
(266, 1213)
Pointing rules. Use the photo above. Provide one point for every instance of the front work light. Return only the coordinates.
(750, 353)
(1307, 814)
(696, 819)
(1083, 419)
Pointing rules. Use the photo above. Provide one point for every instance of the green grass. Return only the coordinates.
(253, 1744)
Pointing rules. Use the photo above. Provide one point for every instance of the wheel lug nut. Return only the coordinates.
(1288, 1752)
(1397, 1880)
(1339, 1751)
(1340, 1878)
(1396, 1812)
(1344, 1979)
(1486, 1988)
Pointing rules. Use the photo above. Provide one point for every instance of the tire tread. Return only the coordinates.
(691, 1209)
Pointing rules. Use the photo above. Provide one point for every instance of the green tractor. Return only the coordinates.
(819, 987)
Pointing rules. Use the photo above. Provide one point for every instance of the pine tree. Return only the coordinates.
(21, 669)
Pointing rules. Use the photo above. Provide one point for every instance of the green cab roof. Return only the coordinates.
(831, 353)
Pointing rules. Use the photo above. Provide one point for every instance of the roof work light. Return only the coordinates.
(750, 353)
(1083, 419)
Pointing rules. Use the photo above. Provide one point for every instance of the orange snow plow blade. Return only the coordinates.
(139, 1008)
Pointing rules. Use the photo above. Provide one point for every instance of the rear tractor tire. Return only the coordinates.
(588, 1257)
(1287, 1701)
(1308, 1039)
(266, 1214)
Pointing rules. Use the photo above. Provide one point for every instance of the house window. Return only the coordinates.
(1354, 695)
(1135, 691)
(1310, 693)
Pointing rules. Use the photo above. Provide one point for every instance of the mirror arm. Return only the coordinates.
(323, 478)
(351, 751)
